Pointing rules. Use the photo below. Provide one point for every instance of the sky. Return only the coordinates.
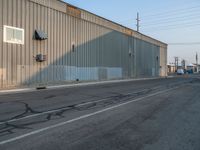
(175, 22)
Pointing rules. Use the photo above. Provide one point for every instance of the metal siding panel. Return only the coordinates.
(93, 42)
(99, 46)
(57, 50)
(59, 58)
(34, 46)
(80, 49)
(28, 57)
(82, 54)
(54, 47)
(71, 40)
(9, 46)
(17, 50)
(86, 47)
(96, 50)
(46, 45)
(158, 66)
(138, 57)
(48, 48)
(84, 41)
(42, 45)
(5, 22)
(1, 44)
(73, 54)
(64, 36)
(122, 55)
(51, 46)
(36, 43)
(14, 46)
(63, 46)
(30, 23)
(81, 44)
(89, 48)
(93, 51)
(68, 47)
(21, 23)
(105, 42)
(103, 48)
(77, 46)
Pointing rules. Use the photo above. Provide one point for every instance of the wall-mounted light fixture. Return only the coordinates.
(157, 58)
(73, 46)
(130, 52)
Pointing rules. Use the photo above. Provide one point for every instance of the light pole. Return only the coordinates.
(197, 62)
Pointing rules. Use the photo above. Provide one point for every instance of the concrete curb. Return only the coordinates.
(2, 92)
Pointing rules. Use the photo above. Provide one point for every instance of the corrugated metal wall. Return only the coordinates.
(100, 53)
(163, 61)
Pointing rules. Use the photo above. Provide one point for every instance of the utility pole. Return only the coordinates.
(176, 63)
(183, 64)
(197, 59)
(138, 22)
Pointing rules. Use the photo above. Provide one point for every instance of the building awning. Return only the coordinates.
(40, 35)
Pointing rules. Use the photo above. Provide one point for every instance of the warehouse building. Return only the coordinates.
(48, 42)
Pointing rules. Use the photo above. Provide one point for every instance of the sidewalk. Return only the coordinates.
(23, 90)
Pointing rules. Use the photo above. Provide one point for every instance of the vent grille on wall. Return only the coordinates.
(40, 35)
(41, 58)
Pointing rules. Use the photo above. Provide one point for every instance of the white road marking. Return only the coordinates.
(80, 118)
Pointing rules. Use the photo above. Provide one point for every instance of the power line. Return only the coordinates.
(170, 6)
(183, 20)
(172, 11)
(168, 21)
(173, 17)
(180, 26)
(167, 29)
(170, 26)
(167, 15)
(175, 24)
(186, 43)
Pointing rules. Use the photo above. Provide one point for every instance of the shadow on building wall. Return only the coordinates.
(108, 57)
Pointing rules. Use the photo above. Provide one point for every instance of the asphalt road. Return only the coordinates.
(161, 114)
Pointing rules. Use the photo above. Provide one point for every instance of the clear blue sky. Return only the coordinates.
(171, 21)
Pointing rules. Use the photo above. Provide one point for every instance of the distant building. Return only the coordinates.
(171, 68)
(196, 68)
